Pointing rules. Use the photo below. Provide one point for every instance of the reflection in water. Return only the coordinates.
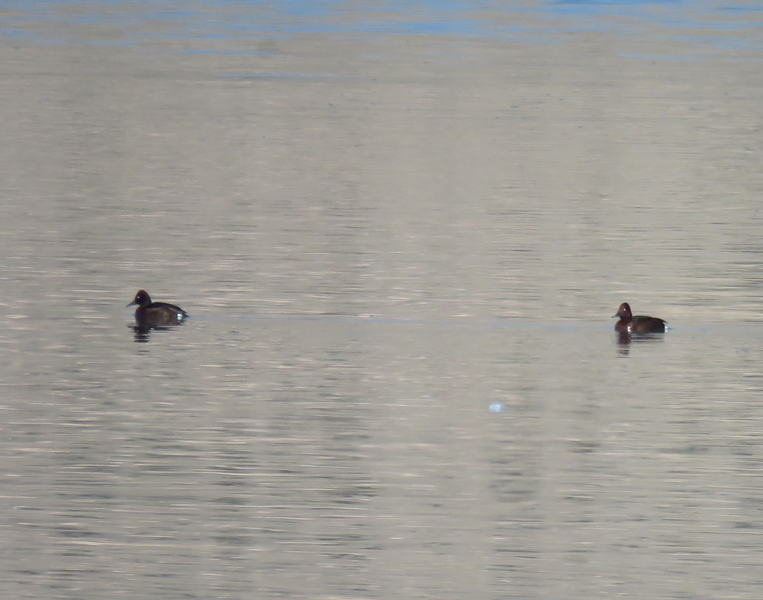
(143, 332)
(624, 339)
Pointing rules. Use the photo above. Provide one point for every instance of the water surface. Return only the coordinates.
(400, 232)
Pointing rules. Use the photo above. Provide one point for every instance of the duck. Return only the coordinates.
(155, 314)
(639, 323)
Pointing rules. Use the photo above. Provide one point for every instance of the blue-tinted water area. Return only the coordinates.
(705, 24)
(400, 231)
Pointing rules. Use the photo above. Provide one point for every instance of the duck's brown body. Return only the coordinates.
(629, 323)
(155, 314)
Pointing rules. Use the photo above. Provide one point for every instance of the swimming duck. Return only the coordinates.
(637, 324)
(155, 314)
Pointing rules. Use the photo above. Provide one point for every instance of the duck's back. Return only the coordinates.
(644, 324)
(161, 313)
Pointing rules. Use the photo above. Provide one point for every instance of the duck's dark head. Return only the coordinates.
(141, 299)
(624, 312)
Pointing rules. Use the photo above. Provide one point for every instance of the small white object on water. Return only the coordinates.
(496, 407)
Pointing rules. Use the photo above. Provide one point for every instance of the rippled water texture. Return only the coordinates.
(400, 231)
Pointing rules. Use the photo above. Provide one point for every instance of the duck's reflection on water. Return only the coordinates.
(142, 333)
(624, 340)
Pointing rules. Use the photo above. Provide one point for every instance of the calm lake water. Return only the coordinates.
(400, 232)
